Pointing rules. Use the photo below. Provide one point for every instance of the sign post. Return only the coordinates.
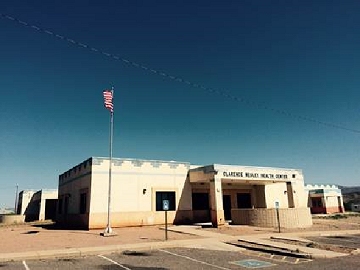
(166, 208)
(277, 205)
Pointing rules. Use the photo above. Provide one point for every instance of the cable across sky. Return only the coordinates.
(178, 79)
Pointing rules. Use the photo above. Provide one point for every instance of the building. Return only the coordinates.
(6, 211)
(38, 205)
(214, 193)
(325, 199)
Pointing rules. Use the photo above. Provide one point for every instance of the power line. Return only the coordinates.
(178, 79)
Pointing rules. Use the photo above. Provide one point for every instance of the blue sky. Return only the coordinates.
(299, 57)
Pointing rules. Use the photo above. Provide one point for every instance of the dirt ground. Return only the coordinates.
(27, 237)
(320, 223)
(23, 238)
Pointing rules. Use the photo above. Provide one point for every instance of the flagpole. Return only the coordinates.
(108, 229)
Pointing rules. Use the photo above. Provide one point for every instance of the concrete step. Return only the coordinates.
(269, 248)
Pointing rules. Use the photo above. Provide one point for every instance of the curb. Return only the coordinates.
(85, 251)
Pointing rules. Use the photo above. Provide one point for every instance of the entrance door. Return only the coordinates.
(201, 207)
(50, 209)
(227, 206)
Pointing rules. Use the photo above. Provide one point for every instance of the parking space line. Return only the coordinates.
(277, 258)
(25, 265)
(114, 262)
(194, 260)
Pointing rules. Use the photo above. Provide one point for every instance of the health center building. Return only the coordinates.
(220, 194)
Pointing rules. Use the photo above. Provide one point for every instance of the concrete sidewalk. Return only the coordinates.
(27, 242)
(265, 240)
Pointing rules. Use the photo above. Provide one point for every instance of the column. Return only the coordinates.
(216, 202)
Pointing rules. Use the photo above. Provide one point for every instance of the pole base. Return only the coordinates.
(108, 232)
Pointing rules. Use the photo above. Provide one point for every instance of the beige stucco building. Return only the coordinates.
(325, 199)
(37, 205)
(214, 193)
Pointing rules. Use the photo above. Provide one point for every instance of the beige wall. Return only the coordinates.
(275, 192)
(11, 219)
(71, 184)
(279, 192)
(42, 196)
(135, 183)
(133, 191)
(25, 197)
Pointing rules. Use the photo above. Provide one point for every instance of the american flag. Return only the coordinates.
(108, 100)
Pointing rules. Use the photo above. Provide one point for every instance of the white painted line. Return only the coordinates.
(116, 263)
(25, 265)
(194, 260)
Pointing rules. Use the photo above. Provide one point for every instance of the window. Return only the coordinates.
(165, 195)
(83, 203)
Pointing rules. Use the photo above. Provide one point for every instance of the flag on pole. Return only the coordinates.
(108, 100)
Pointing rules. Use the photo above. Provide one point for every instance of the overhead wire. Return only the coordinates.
(179, 79)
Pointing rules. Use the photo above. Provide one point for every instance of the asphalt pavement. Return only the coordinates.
(189, 247)
(181, 258)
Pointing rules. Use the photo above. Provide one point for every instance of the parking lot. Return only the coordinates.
(349, 241)
(183, 258)
(193, 248)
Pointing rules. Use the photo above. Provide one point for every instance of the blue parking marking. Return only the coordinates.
(250, 263)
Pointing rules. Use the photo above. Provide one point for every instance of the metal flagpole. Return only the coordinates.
(108, 229)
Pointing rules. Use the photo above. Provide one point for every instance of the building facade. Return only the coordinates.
(325, 199)
(214, 193)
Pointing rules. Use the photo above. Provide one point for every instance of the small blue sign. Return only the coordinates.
(165, 205)
(252, 263)
(277, 204)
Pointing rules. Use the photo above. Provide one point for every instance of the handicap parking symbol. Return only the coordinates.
(250, 263)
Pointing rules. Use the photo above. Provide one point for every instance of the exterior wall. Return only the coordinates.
(25, 197)
(233, 190)
(83, 193)
(133, 196)
(42, 197)
(267, 187)
(33, 209)
(71, 184)
(276, 192)
(261, 217)
(281, 193)
(11, 219)
(133, 192)
(285, 186)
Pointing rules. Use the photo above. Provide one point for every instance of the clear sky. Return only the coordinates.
(299, 57)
